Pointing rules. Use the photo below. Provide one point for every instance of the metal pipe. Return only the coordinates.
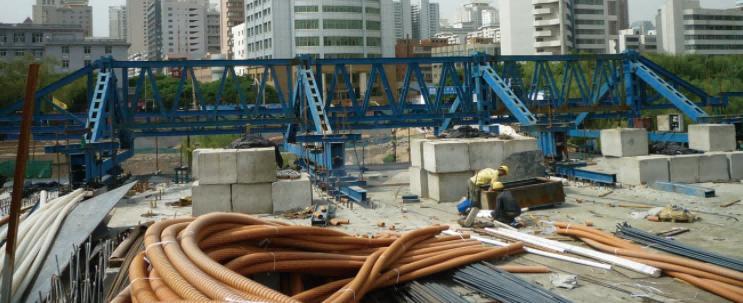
(18, 180)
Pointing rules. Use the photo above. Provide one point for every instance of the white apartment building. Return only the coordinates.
(232, 13)
(403, 19)
(684, 27)
(136, 27)
(67, 12)
(117, 22)
(635, 39)
(177, 29)
(560, 26)
(320, 28)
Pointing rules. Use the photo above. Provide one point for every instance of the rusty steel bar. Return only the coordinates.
(18, 179)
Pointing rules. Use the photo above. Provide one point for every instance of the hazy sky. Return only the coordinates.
(15, 11)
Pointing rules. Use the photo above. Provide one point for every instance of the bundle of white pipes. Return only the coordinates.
(36, 235)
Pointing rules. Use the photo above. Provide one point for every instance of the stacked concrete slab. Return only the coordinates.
(712, 137)
(624, 142)
(290, 195)
(233, 180)
(447, 164)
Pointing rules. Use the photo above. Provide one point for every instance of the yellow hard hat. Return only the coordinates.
(497, 186)
(504, 168)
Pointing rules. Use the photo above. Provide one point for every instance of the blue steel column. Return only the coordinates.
(630, 90)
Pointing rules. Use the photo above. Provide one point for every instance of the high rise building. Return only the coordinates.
(67, 12)
(213, 45)
(425, 19)
(490, 17)
(560, 26)
(320, 28)
(117, 24)
(177, 29)
(403, 20)
(232, 13)
(684, 27)
(136, 27)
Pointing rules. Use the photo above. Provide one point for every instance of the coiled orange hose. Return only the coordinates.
(210, 258)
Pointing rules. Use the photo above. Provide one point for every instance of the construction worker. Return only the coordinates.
(485, 179)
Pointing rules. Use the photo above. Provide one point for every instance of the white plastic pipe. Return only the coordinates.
(537, 252)
(618, 261)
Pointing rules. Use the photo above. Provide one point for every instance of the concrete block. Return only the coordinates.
(712, 137)
(519, 145)
(643, 170)
(256, 165)
(416, 152)
(450, 187)
(218, 166)
(524, 165)
(290, 195)
(713, 168)
(735, 159)
(252, 198)
(195, 162)
(446, 156)
(684, 168)
(486, 153)
(624, 142)
(209, 198)
(418, 181)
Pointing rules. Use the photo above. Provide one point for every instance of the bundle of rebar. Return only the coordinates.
(719, 280)
(426, 291)
(677, 248)
(503, 286)
(212, 256)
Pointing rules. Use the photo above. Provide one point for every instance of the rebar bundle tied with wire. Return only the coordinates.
(503, 286)
(674, 247)
(212, 256)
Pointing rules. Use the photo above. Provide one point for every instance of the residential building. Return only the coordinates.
(65, 43)
(177, 29)
(487, 32)
(635, 39)
(472, 45)
(561, 26)
(425, 19)
(490, 17)
(213, 45)
(232, 13)
(136, 26)
(472, 14)
(403, 20)
(239, 46)
(411, 48)
(71, 12)
(684, 27)
(323, 29)
(117, 24)
(643, 26)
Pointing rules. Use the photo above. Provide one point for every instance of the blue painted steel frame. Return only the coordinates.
(617, 90)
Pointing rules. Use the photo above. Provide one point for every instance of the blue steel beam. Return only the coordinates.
(506, 95)
(686, 106)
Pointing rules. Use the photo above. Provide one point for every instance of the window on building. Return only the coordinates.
(342, 24)
(86, 50)
(3, 53)
(373, 25)
(38, 53)
(65, 49)
(109, 49)
(373, 41)
(19, 37)
(20, 53)
(372, 10)
(86, 62)
(37, 37)
(307, 41)
(3, 38)
(307, 24)
(341, 9)
(343, 41)
(65, 63)
(306, 9)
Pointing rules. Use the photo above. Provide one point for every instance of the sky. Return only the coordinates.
(16, 11)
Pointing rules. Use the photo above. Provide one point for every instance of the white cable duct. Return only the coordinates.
(542, 242)
(35, 237)
(537, 251)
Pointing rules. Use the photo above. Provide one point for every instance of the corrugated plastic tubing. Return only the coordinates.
(209, 258)
(712, 278)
